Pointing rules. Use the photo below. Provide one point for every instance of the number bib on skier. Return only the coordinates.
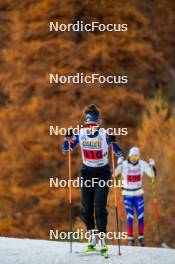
(94, 149)
(93, 154)
(134, 176)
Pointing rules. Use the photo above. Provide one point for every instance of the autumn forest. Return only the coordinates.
(29, 105)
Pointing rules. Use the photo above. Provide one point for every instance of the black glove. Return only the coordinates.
(112, 138)
(69, 133)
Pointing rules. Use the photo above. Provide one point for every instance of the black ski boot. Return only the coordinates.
(141, 241)
(130, 241)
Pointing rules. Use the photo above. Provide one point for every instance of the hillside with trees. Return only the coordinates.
(29, 104)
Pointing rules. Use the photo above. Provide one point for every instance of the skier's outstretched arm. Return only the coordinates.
(150, 169)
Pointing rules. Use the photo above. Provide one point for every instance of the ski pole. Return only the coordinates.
(155, 205)
(115, 198)
(121, 209)
(70, 195)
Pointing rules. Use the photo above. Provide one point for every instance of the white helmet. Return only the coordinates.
(134, 151)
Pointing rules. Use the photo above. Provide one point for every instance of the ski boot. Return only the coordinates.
(92, 240)
(141, 241)
(130, 241)
(102, 245)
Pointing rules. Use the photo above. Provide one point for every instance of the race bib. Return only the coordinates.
(92, 154)
(133, 178)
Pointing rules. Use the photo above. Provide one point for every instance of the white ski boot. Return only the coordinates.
(102, 242)
(92, 239)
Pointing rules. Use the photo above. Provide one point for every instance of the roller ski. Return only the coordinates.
(103, 251)
(91, 246)
(103, 246)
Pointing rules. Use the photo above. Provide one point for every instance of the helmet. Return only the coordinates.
(134, 154)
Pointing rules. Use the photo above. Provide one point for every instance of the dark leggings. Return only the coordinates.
(94, 198)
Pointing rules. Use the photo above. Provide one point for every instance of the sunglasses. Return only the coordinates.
(134, 157)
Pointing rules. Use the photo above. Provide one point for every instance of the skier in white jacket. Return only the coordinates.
(132, 171)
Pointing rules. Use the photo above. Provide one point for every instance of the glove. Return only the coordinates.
(120, 160)
(69, 133)
(112, 138)
(151, 162)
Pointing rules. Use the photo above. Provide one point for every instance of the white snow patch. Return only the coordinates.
(28, 251)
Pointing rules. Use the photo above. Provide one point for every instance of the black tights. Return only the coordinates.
(94, 198)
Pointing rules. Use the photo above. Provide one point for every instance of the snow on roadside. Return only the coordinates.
(28, 251)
